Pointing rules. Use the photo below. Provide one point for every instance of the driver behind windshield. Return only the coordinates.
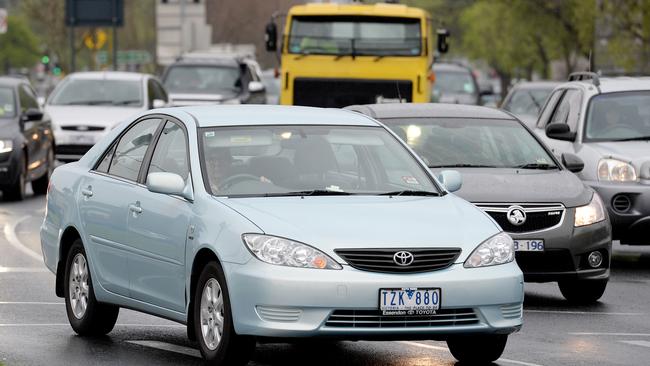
(221, 169)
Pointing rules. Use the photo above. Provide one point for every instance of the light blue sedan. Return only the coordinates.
(253, 222)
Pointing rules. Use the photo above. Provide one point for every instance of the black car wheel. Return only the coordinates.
(584, 291)
(213, 325)
(39, 186)
(477, 349)
(16, 191)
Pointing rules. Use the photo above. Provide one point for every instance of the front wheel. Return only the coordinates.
(213, 325)
(583, 291)
(477, 349)
(87, 316)
(16, 191)
(39, 186)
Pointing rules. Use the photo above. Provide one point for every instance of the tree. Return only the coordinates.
(19, 46)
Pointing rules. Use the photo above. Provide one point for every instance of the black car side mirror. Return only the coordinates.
(443, 45)
(271, 37)
(560, 131)
(32, 114)
(572, 163)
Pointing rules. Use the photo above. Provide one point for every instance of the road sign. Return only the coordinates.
(95, 40)
(95, 13)
(3, 21)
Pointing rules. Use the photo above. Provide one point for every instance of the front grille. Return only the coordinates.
(621, 203)
(82, 128)
(375, 319)
(72, 149)
(338, 93)
(381, 260)
(538, 217)
(550, 260)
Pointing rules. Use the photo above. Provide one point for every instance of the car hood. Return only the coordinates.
(486, 185)
(333, 222)
(638, 152)
(104, 116)
(9, 128)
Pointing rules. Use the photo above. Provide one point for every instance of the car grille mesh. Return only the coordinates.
(375, 319)
(538, 217)
(381, 260)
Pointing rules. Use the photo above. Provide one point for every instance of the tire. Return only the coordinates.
(477, 349)
(39, 186)
(16, 191)
(96, 319)
(230, 348)
(583, 291)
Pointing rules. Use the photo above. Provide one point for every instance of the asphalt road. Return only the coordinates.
(34, 329)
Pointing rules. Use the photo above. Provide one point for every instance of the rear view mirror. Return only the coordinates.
(255, 87)
(560, 131)
(443, 45)
(572, 163)
(271, 37)
(451, 179)
(32, 114)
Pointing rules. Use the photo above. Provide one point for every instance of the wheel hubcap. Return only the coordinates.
(212, 317)
(79, 286)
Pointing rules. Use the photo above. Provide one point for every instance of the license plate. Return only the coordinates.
(409, 301)
(83, 139)
(529, 245)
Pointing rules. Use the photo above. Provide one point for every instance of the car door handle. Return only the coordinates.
(135, 208)
(87, 192)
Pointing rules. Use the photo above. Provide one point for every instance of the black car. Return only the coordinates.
(26, 141)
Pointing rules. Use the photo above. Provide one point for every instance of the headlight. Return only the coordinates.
(616, 171)
(499, 249)
(285, 252)
(592, 213)
(6, 146)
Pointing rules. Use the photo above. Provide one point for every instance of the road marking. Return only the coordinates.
(30, 303)
(438, 348)
(168, 347)
(12, 238)
(581, 312)
(611, 334)
(23, 270)
(637, 343)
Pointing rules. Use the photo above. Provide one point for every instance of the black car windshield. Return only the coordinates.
(454, 82)
(202, 79)
(527, 102)
(7, 103)
(619, 116)
(309, 160)
(127, 93)
(355, 35)
(463, 142)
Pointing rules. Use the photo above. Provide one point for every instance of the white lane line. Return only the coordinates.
(438, 348)
(582, 312)
(22, 270)
(637, 343)
(12, 238)
(30, 303)
(611, 334)
(168, 347)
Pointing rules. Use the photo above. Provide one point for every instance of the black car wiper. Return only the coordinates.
(536, 166)
(89, 102)
(313, 192)
(464, 166)
(408, 192)
(640, 138)
(125, 102)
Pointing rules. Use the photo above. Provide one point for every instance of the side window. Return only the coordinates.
(106, 161)
(170, 154)
(568, 110)
(27, 98)
(549, 108)
(131, 149)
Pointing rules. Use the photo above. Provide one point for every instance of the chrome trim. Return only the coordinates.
(528, 207)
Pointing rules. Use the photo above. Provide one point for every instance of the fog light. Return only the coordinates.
(595, 259)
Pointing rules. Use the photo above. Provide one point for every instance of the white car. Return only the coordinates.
(86, 105)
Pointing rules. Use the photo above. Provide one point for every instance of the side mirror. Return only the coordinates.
(32, 114)
(451, 179)
(255, 87)
(271, 37)
(573, 163)
(158, 103)
(167, 183)
(560, 131)
(443, 45)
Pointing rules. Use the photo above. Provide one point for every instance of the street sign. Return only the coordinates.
(95, 40)
(94, 13)
(3, 21)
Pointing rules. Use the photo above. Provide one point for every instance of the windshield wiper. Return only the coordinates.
(539, 166)
(408, 192)
(126, 102)
(313, 192)
(464, 166)
(640, 138)
(89, 102)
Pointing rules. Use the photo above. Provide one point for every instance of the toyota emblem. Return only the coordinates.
(516, 215)
(403, 258)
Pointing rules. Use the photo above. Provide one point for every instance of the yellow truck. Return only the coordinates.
(334, 55)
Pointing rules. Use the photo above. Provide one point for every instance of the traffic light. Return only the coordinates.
(45, 60)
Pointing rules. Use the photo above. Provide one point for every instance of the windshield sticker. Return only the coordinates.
(333, 188)
(410, 180)
(209, 134)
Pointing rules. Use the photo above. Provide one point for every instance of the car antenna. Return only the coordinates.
(399, 95)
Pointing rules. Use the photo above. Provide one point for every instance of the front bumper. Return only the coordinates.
(628, 205)
(283, 302)
(72, 145)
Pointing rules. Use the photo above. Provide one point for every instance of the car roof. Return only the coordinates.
(212, 60)
(108, 75)
(256, 115)
(429, 110)
(542, 84)
(615, 84)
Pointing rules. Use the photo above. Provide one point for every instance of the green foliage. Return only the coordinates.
(19, 46)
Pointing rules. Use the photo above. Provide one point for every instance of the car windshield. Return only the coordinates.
(7, 103)
(454, 82)
(464, 142)
(354, 35)
(527, 102)
(126, 93)
(309, 160)
(619, 116)
(202, 79)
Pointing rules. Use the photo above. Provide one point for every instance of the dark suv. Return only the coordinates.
(26, 140)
